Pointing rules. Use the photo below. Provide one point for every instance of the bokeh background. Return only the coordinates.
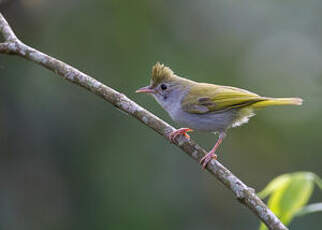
(69, 160)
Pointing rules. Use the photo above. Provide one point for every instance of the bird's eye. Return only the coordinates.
(163, 86)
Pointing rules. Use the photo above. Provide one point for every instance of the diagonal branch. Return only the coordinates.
(242, 192)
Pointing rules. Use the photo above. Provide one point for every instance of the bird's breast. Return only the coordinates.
(209, 122)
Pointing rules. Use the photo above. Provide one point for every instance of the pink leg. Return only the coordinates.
(211, 155)
(177, 132)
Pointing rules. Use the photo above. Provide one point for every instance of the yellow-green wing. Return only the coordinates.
(205, 98)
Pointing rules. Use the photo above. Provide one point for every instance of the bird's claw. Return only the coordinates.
(177, 132)
(207, 158)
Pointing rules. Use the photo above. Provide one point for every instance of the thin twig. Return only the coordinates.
(242, 192)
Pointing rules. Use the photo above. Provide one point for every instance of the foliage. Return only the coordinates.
(289, 193)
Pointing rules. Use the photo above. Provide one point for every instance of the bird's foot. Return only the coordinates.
(207, 158)
(177, 132)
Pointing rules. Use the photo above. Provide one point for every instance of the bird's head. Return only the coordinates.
(164, 83)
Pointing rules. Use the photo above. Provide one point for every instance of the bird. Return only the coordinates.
(205, 107)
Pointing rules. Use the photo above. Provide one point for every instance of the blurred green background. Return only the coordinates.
(69, 160)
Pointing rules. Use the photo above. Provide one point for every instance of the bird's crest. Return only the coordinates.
(160, 73)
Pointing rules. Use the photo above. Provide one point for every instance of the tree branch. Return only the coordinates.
(242, 192)
(6, 30)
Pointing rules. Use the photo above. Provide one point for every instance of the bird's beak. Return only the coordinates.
(146, 89)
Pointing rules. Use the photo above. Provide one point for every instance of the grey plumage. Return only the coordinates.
(171, 100)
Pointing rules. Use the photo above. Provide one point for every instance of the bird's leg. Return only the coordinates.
(211, 155)
(177, 132)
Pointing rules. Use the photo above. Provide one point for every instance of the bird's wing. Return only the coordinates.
(205, 98)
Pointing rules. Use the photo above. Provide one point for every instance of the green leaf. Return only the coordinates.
(317, 207)
(275, 184)
(296, 195)
(288, 194)
(276, 188)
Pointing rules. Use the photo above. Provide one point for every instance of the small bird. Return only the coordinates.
(205, 107)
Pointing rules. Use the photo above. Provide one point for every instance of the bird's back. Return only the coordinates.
(211, 107)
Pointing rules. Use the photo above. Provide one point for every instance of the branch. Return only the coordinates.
(242, 192)
(6, 30)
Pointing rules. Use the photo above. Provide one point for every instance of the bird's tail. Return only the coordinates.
(277, 101)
